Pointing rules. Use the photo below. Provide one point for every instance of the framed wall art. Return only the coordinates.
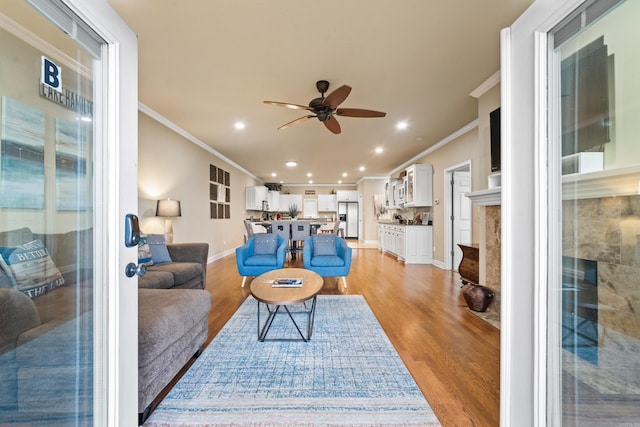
(22, 145)
(219, 193)
(72, 183)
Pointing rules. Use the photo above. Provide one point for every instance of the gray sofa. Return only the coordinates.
(46, 342)
(187, 270)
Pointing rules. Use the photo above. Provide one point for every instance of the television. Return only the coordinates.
(494, 125)
(584, 86)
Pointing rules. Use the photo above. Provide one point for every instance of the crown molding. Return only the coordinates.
(457, 134)
(486, 85)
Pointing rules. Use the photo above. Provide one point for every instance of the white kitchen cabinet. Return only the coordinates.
(399, 190)
(418, 244)
(399, 243)
(412, 244)
(254, 196)
(347, 195)
(390, 193)
(273, 198)
(327, 203)
(418, 185)
(287, 200)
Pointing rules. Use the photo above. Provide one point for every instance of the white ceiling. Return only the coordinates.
(205, 64)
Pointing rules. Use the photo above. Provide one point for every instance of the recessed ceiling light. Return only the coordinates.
(340, 182)
(310, 181)
(309, 175)
(379, 150)
(274, 174)
(239, 125)
(291, 164)
(402, 125)
(361, 168)
(344, 174)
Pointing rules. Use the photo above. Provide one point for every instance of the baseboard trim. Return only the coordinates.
(220, 255)
(438, 264)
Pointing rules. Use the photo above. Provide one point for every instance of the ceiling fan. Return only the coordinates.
(325, 109)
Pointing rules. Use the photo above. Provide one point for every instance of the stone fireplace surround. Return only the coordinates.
(608, 232)
(606, 210)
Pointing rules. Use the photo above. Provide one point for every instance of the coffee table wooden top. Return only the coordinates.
(266, 293)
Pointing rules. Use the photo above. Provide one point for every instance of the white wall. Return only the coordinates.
(171, 166)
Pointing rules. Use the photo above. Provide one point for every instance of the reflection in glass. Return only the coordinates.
(46, 226)
(595, 314)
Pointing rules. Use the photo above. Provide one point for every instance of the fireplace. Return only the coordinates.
(580, 308)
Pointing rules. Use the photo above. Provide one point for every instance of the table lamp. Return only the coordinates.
(168, 209)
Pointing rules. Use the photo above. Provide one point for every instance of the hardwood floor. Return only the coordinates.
(453, 355)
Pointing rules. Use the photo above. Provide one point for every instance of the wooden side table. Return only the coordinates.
(478, 297)
(469, 267)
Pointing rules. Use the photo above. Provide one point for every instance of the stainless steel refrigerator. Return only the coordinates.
(348, 212)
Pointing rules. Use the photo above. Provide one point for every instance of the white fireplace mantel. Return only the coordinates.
(489, 197)
(607, 183)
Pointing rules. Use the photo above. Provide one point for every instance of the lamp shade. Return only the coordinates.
(168, 208)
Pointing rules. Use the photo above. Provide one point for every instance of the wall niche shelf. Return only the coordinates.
(582, 163)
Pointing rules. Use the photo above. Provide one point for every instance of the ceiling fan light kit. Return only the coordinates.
(326, 108)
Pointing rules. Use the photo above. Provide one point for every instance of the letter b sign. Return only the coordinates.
(51, 75)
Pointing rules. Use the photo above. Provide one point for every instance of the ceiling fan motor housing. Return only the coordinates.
(322, 111)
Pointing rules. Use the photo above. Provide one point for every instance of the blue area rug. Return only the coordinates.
(348, 374)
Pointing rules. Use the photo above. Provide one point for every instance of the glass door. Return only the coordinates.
(64, 358)
(593, 375)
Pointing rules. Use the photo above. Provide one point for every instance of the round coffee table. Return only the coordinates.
(275, 298)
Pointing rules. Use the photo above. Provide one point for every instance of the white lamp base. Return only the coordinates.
(168, 230)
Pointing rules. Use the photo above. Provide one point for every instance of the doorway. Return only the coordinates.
(457, 212)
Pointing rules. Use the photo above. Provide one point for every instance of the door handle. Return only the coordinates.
(131, 230)
(132, 269)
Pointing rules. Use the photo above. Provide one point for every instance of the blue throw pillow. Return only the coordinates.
(159, 251)
(30, 269)
(265, 244)
(144, 252)
(324, 244)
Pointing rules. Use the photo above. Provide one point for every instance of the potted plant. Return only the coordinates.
(293, 210)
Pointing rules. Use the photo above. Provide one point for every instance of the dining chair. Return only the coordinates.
(249, 229)
(300, 230)
(282, 228)
(335, 230)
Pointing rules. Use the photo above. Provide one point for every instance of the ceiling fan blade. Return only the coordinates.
(332, 124)
(287, 105)
(337, 97)
(359, 112)
(295, 122)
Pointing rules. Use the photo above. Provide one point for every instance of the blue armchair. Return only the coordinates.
(261, 253)
(328, 255)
